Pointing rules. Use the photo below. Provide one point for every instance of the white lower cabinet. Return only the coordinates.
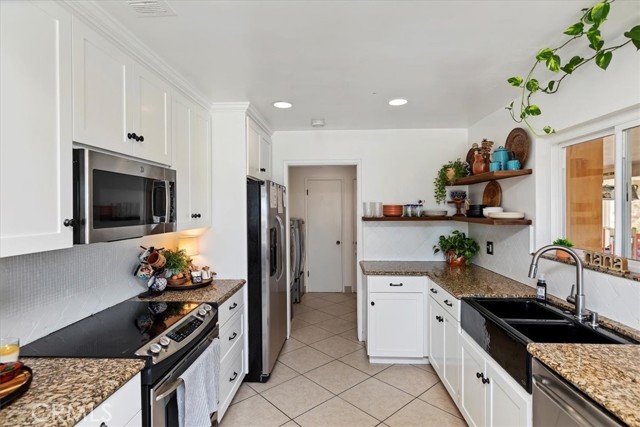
(122, 408)
(396, 315)
(231, 317)
(444, 336)
(488, 395)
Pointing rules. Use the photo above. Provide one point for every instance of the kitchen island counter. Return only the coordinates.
(65, 390)
(608, 374)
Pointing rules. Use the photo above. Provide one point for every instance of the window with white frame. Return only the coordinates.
(601, 177)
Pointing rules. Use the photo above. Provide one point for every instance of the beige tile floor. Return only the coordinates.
(323, 378)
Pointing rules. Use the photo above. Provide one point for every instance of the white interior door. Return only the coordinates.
(324, 235)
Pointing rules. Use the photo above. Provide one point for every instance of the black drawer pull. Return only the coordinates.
(448, 303)
(233, 337)
(263, 170)
(439, 318)
(433, 290)
(395, 284)
(373, 303)
(235, 304)
(485, 381)
(103, 425)
(235, 375)
(479, 375)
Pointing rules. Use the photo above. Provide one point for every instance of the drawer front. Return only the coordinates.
(231, 335)
(231, 373)
(231, 306)
(450, 304)
(396, 283)
(119, 409)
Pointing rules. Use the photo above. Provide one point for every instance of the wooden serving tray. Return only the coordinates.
(188, 285)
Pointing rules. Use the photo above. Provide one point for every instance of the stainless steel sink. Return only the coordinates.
(504, 326)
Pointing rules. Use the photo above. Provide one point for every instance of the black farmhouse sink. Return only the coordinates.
(504, 326)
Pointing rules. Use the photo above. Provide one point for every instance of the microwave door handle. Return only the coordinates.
(167, 200)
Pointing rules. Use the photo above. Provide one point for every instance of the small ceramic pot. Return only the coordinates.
(454, 261)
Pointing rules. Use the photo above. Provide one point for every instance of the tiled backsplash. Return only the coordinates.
(612, 297)
(43, 292)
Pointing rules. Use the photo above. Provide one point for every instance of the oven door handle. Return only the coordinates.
(170, 390)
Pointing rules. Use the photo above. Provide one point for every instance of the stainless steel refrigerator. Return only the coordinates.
(267, 276)
(297, 250)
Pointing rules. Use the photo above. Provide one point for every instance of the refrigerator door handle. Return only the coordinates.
(280, 239)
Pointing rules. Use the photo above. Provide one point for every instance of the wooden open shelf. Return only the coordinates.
(491, 176)
(488, 221)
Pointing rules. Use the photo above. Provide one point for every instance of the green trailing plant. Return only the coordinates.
(458, 243)
(447, 175)
(563, 242)
(588, 27)
(177, 261)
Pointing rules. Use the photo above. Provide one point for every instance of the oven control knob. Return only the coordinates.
(202, 312)
(155, 349)
(164, 341)
(207, 307)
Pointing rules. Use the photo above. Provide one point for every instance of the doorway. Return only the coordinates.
(322, 196)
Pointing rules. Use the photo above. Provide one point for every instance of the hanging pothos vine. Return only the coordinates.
(589, 27)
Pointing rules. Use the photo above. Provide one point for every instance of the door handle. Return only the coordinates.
(337, 242)
(235, 375)
(395, 284)
(235, 304)
(448, 303)
(433, 290)
(232, 337)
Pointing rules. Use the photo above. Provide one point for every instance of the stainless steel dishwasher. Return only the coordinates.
(558, 403)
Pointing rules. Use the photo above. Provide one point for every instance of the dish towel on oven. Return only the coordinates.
(198, 395)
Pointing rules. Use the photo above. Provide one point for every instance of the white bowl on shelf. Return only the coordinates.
(489, 209)
(434, 212)
(506, 215)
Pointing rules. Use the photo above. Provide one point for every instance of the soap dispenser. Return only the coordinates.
(541, 293)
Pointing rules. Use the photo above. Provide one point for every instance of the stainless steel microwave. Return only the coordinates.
(116, 198)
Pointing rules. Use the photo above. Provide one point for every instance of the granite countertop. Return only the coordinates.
(217, 292)
(608, 374)
(63, 391)
(460, 282)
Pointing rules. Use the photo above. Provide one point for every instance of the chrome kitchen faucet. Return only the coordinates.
(579, 298)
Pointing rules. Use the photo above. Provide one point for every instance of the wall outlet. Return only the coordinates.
(489, 248)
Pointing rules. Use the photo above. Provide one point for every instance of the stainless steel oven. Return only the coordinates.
(117, 198)
(163, 395)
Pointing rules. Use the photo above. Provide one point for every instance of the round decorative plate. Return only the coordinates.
(492, 195)
(518, 143)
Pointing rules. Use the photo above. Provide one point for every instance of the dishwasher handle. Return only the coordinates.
(558, 397)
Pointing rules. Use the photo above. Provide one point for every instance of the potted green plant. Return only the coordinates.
(447, 174)
(177, 261)
(457, 248)
(563, 242)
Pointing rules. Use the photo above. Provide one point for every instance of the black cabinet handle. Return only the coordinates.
(103, 425)
(232, 337)
(198, 215)
(132, 136)
(395, 284)
(235, 375)
(448, 303)
(433, 291)
(337, 242)
(69, 223)
(439, 318)
(485, 381)
(140, 138)
(235, 304)
(263, 170)
(373, 303)
(479, 375)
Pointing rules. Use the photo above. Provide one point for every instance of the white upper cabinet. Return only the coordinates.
(118, 104)
(191, 134)
(258, 151)
(149, 106)
(35, 127)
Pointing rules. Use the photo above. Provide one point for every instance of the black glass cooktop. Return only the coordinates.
(112, 333)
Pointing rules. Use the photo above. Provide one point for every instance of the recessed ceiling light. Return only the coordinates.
(282, 104)
(397, 102)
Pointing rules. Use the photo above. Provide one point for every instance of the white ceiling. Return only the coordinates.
(343, 60)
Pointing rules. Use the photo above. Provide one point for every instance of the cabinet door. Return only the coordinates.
(451, 377)
(507, 402)
(472, 390)
(396, 325)
(201, 167)
(149, 103)
(265, 157)
(253, 149)
(100, 75)
(35, 127)
(436, 337)
(181, 111)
